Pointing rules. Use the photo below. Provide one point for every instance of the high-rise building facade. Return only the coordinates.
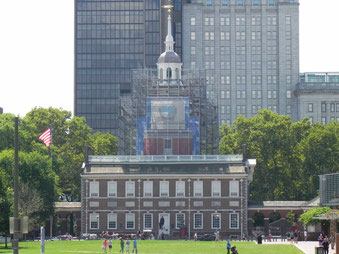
(113, 37)
(250, 50)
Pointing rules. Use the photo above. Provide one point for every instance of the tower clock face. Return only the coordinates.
(167, 111)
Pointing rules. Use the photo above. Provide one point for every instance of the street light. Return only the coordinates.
(189, 208)
(86, 194)
(139, 181)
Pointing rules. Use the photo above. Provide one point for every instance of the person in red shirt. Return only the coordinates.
(104, 246)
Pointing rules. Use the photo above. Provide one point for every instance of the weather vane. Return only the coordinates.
(168, 6)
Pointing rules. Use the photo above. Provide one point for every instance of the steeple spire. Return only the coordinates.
(169, 38)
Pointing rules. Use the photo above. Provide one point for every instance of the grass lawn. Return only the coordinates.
(175, 247)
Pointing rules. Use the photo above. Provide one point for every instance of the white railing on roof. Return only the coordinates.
(163, 158)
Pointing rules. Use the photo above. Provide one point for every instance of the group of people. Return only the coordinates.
(325, 242)
(123, 246)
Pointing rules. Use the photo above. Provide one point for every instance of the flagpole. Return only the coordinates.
(51, 157)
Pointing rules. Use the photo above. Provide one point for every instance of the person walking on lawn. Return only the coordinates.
(228, 246)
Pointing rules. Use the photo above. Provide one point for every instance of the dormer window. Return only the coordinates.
(161, 74)
(177, 73)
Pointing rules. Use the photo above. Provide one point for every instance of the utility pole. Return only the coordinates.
(16, 194)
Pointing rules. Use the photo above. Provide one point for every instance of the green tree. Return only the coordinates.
(308, 217)
(104, 144)
(320, 155)
(50, 171)
(273, 140)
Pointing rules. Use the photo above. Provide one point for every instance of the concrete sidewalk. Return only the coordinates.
(306, 247)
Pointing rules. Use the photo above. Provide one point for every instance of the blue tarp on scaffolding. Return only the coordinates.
(173, 113)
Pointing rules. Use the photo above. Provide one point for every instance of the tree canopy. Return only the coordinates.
(290, 155)
(50, 173)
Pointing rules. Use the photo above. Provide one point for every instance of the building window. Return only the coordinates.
(193, 51)
(130, 189)
(192, 21)
(292, 1)
(198, 188)
(310, 107)
(258, 94)
(288, 79)
(112, 221)
(323, 120)
(180, 188)
(255, 2)
(323, 107)
(332, 107)
(193, 36)
(288, 109)
(337, 107)
(93, 221)
(148, 189)
(209, 2)
(111, 189)
(198, 221)
(179, 220)
(130, 220)
(234, 188)
(216, 220)
(240, 2)
(148, 221)
(271, 2)
(193, 65)
(288, 20)
(164, 187)
(224, 2)
(234, 221)
(94, 189)
(216, 188)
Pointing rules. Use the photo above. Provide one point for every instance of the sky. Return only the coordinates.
(37, 50)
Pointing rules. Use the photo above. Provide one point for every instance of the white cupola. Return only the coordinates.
(169, 63)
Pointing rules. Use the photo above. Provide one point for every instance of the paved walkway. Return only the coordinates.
(306, 247)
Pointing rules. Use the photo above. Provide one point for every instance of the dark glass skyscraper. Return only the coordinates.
(113, 37)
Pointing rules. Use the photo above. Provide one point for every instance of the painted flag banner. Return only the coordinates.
(46, 137)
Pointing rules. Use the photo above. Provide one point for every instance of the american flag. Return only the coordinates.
(46, 137)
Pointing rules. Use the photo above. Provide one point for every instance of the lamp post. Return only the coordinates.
(16, 185)
(86, 211)
(189, 208)
(241, 209)
(139, 199)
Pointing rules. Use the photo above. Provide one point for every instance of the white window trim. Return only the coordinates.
(116, 220)
(231, 182)
(176, 220)
(126, 220)
(237, 221)
(213, 183)
(202, 221)
(176, 189)
(219, 220)
(90, 189)
(115, 189)
(145, 188)
(127, 188)
(96, 215)
(151, 221)
(195, 189)
(160, 188)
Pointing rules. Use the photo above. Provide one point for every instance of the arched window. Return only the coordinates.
(177, 73)
(161, 74)
(169, 73)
